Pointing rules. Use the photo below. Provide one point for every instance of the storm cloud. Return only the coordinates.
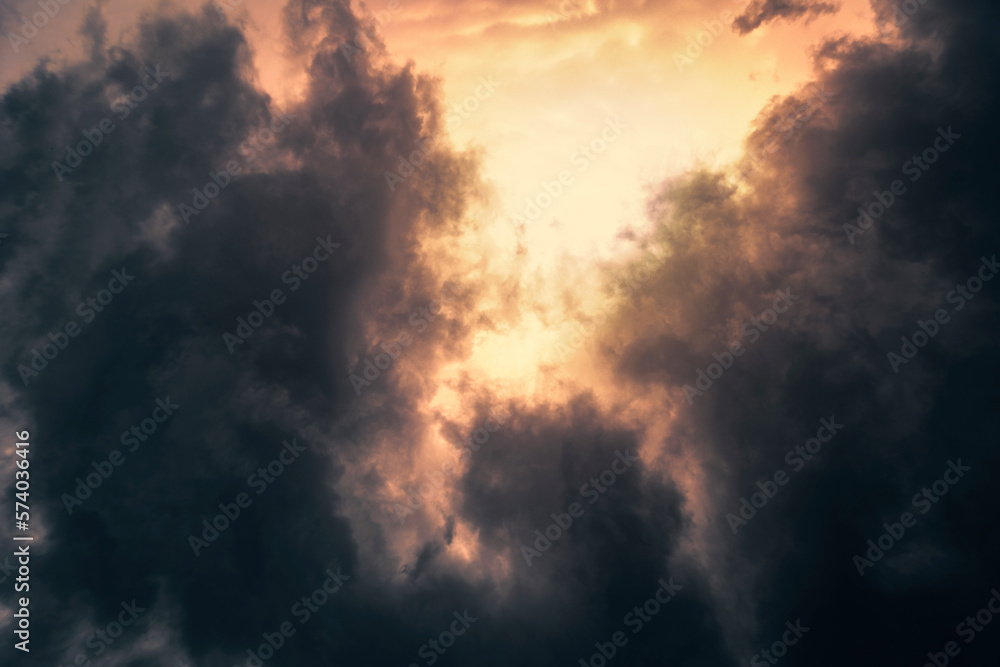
(248, 304)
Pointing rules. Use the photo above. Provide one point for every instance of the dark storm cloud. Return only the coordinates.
(322, 176)
(759, 12)
(828, 355)
(591, 575)
(319, 181)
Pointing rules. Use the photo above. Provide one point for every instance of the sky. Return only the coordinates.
(426, 332)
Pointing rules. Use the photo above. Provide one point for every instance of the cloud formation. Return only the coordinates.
(759, 12)
(272, 261)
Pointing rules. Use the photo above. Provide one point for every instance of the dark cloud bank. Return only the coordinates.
(733, 242)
